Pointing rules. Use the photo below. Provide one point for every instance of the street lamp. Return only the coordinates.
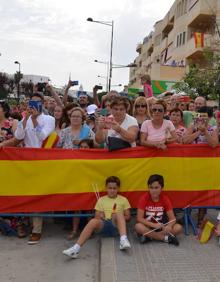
(124, 66)
(111, 48)
(107, 64)
(19, 77)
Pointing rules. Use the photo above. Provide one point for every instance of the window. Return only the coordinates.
(181, 39)
(184, 37)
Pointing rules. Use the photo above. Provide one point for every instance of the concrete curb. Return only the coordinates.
(107, 260)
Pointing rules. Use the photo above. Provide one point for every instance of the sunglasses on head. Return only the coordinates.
(154, 110)
(140, 106)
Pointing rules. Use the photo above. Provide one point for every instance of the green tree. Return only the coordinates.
(202, 80)
(4, 87)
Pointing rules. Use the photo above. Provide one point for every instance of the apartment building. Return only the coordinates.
(177, 41)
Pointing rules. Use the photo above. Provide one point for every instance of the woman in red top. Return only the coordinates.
(152, 208)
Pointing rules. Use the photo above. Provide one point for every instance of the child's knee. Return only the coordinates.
(139, 227)
(177, 228)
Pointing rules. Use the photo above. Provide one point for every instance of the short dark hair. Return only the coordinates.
(89, 142)
(117, 101)
(113, 179)
(156, 177)
(39, 95)
(206, 109)
(176, 110)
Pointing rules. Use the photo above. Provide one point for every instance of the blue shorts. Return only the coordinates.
(108, 229)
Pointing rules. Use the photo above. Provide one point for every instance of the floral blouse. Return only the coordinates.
(68, 141)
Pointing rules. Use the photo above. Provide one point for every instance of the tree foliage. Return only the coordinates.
(200, 80)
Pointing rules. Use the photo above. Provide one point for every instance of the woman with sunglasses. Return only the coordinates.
(141, 113)
(158, 131)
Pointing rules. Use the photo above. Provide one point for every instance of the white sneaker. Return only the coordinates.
(71, 252)
(124, 244)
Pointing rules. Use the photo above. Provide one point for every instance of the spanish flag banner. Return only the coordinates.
(199, 39)
(37, 180)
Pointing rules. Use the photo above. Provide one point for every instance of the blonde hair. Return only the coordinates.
(141, 100)
(81, 111)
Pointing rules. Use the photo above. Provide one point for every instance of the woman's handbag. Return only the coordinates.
(115, 143)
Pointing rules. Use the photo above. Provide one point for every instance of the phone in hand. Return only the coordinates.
(108, 122)
(98, 87)
(74, 82)
(37, 105)
(41, 86)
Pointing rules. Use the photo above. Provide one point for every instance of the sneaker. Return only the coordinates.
(71, 252)
(124, 244)
(144, 239)
(173, 240)
(34, 238)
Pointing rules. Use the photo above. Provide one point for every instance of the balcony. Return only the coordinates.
(138, 48)
(193, 52)
(201, 13)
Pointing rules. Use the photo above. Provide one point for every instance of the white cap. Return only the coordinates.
(91, 109)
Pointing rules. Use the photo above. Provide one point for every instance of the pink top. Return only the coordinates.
(157, 134)
(149, 90)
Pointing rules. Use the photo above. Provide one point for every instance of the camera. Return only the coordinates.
(74, 82)
(98, 87)
(41, 86)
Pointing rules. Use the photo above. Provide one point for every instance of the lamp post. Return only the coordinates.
(107, 76)
(111, 23)
(19, 77)
(124, 66)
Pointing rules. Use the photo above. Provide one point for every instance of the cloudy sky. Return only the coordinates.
(53, 38)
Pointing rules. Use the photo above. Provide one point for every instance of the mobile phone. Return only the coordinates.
(74, 82)
(185, 99)
(41, 86)
(37, 105)
(98, 87)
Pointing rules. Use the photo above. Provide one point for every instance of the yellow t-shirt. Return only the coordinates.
(112, 205)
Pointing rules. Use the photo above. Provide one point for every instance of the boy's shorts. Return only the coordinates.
(108, 229)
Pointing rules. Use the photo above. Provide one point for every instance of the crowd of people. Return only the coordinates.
(113, 122)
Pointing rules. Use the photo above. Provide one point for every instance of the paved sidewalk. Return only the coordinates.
(152, 262)
(160, 262)
(44, 262)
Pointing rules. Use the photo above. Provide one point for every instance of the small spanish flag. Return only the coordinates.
(199, 39)
(51, 141)
(206, 232)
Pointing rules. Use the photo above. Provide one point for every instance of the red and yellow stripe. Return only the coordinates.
(35, 180)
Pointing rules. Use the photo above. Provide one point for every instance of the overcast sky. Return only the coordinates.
(53, 38)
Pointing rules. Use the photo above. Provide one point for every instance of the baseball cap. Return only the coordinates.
(91, 109)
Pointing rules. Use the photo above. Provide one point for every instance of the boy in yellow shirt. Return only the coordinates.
(111, 213)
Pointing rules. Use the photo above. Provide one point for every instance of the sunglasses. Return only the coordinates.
(140, 106)
(154, 110)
